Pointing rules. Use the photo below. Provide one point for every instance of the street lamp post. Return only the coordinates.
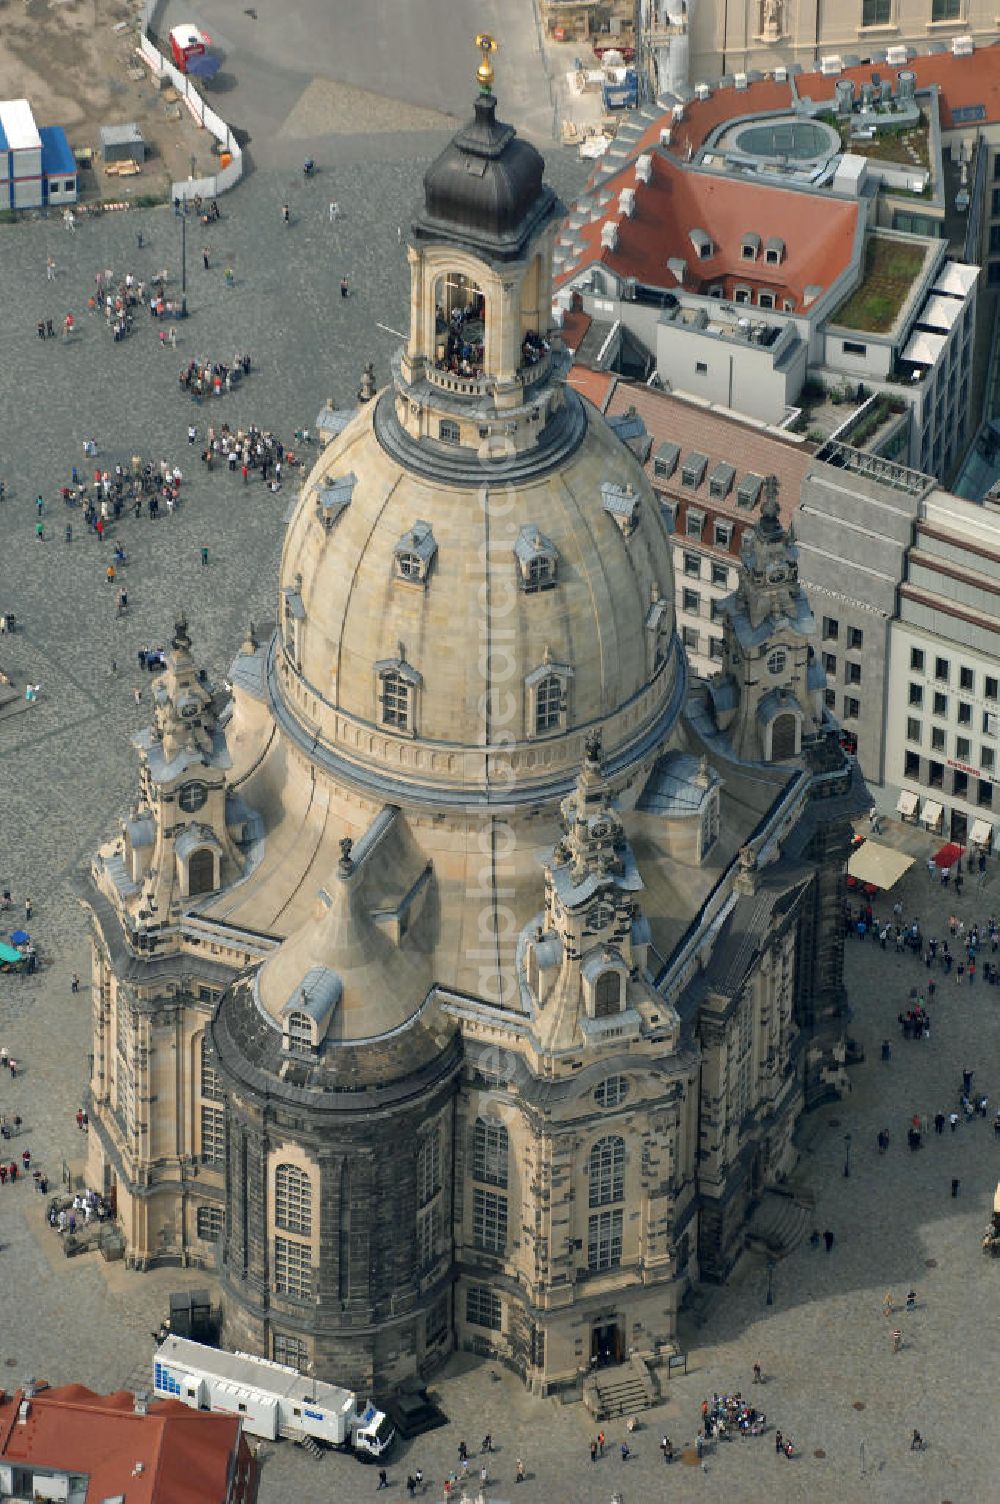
(184, 283)
(847, 1156)
(769, 1301)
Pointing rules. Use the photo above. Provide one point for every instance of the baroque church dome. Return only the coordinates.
(566, 592)
(477, 569)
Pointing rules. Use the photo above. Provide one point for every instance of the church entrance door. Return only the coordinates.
(606, 1345)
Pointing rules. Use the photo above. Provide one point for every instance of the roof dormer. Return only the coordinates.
(414, 554)
(703, 244)
(774, 251)
(750, 246)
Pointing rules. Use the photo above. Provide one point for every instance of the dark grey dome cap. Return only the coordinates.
(486, 189)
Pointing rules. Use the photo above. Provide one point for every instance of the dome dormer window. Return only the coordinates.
(300, 1032)
(397, 685)
(414, 554)
(548, 697)
(621, 503)
(537, 560)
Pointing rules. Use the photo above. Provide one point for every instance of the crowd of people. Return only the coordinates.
(248, 451)
(203, 378)
(462, 354)
(71, 1214)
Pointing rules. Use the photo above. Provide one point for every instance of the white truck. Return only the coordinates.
(270, 1399)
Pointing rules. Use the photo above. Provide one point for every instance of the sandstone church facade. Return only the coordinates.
(459, 979)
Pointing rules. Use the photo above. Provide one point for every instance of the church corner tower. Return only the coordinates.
(426, 1008)
(768, 695)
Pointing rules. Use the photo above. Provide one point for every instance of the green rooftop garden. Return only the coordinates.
(891, 268)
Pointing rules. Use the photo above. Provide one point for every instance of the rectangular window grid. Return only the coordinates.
(292, 1267)
(213, 1134)
(482, 1307)
(489, 1220)
(209, 1223)
(604, 1240)
(291, 1351)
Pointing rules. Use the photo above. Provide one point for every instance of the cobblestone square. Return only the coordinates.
(67, 771)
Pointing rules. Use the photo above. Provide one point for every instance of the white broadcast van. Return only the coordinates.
(270, 1399)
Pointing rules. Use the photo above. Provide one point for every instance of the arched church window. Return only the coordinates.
(548, 704)
(491, 1146)
(201, 871)
(608, 994)
(606, 1171)
(293, 1200)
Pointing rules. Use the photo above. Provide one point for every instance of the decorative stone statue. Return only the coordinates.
(346, 865)
(771, 20)
(592, 747)
(367, 389)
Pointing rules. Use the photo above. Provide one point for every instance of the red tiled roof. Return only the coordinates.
(818, 232)
(186, 1457)
(721, 439)
(962, 82)
(574, 327)
(596, 386)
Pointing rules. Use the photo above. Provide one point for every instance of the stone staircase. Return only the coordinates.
(779, 1224)
(610, 1392)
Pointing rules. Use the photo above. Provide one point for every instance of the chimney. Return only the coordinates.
(141, 1405)
(644, 168)
(609, 235)
(626, 202)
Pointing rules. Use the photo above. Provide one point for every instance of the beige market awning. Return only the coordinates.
(907, 803)
(981, 833)
(881, 865)
(931, 813)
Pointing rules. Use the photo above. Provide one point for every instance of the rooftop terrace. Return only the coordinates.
(891, 267)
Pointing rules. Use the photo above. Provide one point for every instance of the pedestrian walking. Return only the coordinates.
(285, 216)
(74, 985)
(519, 1471)
(916, 1442)
(204, 257)
(344, 287)
(828, 1240)
(204, 557)
(334, 211)
(383, 1479)
(50, 269)
(956, 1185)
(897, 1340)
(27, 909)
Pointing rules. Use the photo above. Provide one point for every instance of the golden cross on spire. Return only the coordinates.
(484, 73)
